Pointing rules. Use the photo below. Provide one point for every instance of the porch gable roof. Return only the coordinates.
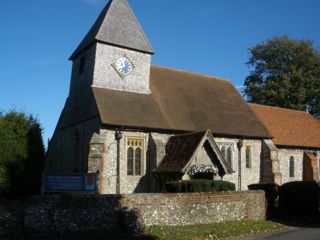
(181, 149)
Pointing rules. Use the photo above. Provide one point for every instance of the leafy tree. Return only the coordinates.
(21, 154)
(285, 73)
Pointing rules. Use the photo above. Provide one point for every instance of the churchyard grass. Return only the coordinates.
(216, 231)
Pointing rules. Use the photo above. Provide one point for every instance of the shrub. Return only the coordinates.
(173, 186)
(199, 185)
(21, 154)
(299, 197)
(271, 192)
(4, 181)
(219, 186)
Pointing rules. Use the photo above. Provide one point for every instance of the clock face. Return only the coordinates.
(124, 66)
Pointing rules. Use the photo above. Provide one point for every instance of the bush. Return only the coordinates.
(21, 154)
(199, 185)
(299, 197)
(219, 186)
(4, 181)
(271, 192)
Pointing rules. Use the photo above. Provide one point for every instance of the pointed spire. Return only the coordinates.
(116, 25)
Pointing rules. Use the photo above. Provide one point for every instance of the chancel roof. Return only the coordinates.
(183, 101)
(118, 26)
(289, 127)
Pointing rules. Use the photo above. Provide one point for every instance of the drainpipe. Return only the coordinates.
(239, 145)
(118, 137)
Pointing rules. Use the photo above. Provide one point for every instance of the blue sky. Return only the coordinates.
(206, 36)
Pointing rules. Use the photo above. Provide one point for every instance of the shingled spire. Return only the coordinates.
(117, 26)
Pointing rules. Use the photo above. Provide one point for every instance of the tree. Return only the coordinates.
(285, 73)
(21, 154)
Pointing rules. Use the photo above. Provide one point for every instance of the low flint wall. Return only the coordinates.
(69, 213)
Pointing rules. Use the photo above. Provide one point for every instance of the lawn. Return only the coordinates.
(216, 231)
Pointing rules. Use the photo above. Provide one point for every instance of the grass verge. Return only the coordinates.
(214, 231)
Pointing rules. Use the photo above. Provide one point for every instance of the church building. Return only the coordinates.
(138, 125)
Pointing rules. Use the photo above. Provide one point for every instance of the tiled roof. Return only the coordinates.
(289, 127)
(181, 100)
(179, 151)
(116, 25)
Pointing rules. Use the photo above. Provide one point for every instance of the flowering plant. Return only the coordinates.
(201, 168)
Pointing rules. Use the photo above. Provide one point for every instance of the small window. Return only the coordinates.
(223, 152)
(82, 64)
(229, 156)
(248, 157)
(135, 156)
(291, 167)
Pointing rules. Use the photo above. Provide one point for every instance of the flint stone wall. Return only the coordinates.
(174, 209)
(8, 222)
(52, 214)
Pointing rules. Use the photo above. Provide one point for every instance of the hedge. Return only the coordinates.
(271, 189)
(271, 192)
(299, 197)
(199, 185)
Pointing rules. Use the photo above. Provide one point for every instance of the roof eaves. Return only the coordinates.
(298, 146)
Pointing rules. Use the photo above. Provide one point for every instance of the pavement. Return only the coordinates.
(290, 233)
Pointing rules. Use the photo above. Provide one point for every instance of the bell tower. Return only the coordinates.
(115, 54)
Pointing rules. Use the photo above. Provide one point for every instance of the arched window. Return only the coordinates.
(223, 151)
(291, 167)
(130, 161)
(137, 161)
(229, 156)
(135, 156)
(248, 157)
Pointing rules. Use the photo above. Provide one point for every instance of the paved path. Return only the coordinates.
(291, 233)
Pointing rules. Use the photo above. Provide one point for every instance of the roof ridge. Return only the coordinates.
(189, 72)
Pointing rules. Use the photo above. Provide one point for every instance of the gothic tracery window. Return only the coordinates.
(227, 152)
(135, 148)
